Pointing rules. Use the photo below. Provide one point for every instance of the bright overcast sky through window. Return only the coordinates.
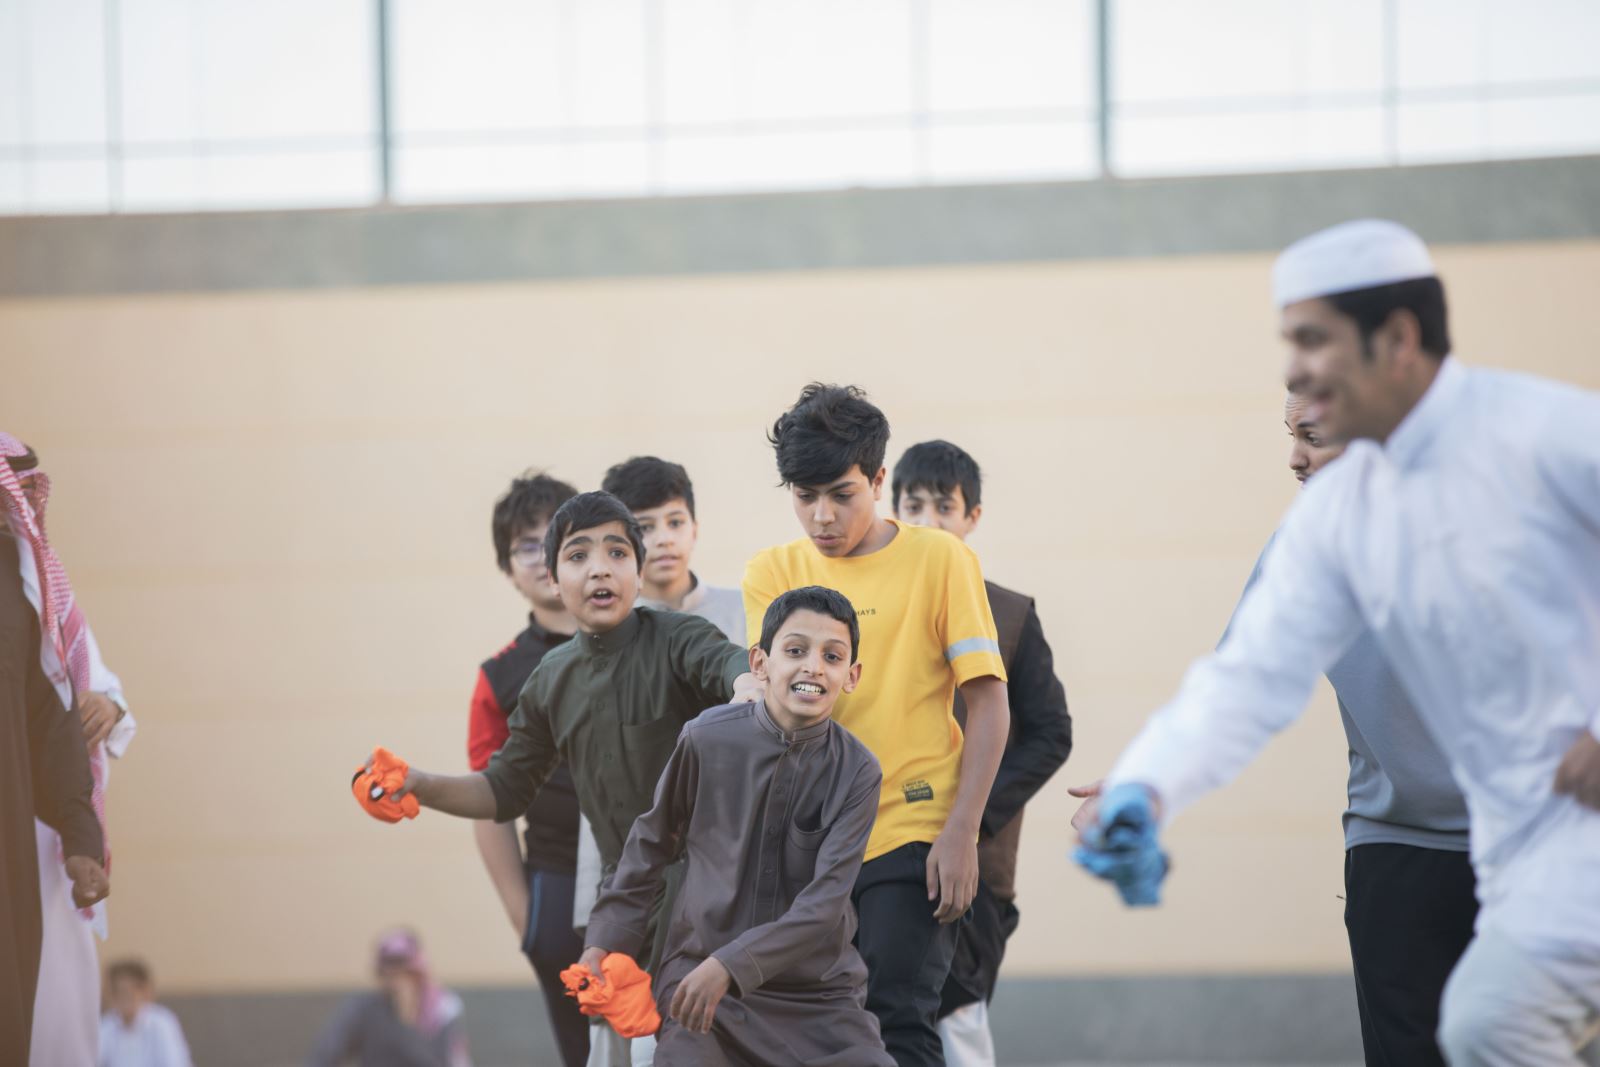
(160, 105)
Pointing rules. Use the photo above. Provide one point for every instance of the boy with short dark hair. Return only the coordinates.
(138, 1032)
(534, 880)
(926, 625)
(661, 497)
(610, 702)
(938, 484)
(772, 803)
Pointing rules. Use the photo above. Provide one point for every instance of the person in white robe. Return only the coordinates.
(1462, 527)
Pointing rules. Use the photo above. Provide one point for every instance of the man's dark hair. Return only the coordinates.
(648, 482)
(942, 467)
(134, 971)
(584, 512)
(1423, 297)
(817, 598)
(532, 500)
(830, 429)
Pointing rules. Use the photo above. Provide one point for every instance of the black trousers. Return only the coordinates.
(980, 948)
(1409, 912)
(552, 946)
(907, 953)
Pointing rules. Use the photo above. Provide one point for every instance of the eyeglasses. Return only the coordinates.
(528, 552)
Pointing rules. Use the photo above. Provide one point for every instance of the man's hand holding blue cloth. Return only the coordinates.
(1121, 845)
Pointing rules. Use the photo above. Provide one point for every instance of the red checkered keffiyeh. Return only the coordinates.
(64, 645)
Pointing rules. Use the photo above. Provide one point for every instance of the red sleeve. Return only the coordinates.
(488, 725)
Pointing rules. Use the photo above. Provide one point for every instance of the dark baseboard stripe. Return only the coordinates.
(1279, 1019)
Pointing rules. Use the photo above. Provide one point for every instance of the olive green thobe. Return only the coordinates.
(610, 706)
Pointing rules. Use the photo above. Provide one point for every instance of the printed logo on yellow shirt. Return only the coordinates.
(916, 790)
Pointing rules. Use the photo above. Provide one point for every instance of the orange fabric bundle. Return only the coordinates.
(372, 787)
(623, 999)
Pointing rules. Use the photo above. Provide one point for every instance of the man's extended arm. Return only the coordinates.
(1295, 622)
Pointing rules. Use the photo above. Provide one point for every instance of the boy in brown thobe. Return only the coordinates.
(772, 803)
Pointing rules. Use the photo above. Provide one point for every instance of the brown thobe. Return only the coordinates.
(774, 826)
(44, 771)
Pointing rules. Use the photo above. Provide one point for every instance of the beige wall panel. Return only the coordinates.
(275, 508)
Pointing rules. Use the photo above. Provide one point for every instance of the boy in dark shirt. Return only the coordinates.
(536, 885)
(772, 804)
(937, 484)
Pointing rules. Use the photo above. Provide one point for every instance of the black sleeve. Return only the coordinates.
(63, 785)
(525, 762)
(1041, 723)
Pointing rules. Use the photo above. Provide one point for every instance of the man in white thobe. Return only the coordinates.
(1462, 527)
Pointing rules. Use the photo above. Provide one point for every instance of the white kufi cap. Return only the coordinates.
(1351, 255)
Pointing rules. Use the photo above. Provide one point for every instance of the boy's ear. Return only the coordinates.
(975, 514)
(853, 679)
(758, 663)
(877, 483)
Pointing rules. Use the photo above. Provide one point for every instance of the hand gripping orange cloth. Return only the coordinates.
(372, 788)
(623, 999)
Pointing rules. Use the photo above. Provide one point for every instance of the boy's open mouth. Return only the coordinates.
(810, 688)
(602, 596)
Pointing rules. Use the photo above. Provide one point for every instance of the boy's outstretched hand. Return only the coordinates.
(694, 1004)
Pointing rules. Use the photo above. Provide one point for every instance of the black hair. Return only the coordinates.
(829, 430)
(532, 499)
(940, 466)
(134, 970)
(817, 598)
(1423, 297)
(648, 482)
(584, 512)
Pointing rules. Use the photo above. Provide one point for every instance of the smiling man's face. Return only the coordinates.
(1353, 387)
(598, 574)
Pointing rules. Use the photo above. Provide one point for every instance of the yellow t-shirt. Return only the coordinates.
(925, 629)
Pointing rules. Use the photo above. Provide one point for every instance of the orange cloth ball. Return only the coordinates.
(372, 788)
(623, 998)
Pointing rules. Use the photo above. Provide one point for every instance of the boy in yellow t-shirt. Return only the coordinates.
(925, 630)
